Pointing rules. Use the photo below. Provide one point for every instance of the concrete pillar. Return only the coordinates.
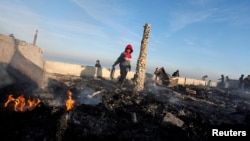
(141, 62)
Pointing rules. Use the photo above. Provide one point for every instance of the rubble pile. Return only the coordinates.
(100, 113)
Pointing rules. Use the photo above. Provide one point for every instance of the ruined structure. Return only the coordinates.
(21, 61)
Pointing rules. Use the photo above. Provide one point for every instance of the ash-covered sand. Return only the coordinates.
(102, 113)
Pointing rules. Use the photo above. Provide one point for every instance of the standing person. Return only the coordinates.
(241, 81)
(98, 69)
(226, 86)
(124, 62)
(97, 64)
(222, 80)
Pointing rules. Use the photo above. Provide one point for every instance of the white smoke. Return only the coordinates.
(83, 96)
(152, 86)
(88, 96)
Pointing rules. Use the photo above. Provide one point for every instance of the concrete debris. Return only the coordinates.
(170, 118)
(190, 91)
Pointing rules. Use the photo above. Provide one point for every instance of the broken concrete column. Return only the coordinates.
(141, 62)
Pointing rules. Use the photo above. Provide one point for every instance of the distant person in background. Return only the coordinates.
(124, 62)
(226, 86)
(241, 81)
(98, 64)
(98, 69)
(176, 74)
(222, 80)
(204, 77)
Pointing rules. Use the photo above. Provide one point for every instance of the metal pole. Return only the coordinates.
(35, 37)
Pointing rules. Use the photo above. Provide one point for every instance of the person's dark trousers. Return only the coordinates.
(123, 72)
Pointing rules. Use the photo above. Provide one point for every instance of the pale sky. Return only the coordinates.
(198, 37)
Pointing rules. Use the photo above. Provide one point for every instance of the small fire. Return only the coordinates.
(70, 102)
(20, 104)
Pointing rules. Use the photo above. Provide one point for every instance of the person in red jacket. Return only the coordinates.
(124, 62)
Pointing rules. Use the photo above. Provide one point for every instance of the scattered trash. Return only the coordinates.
(95, 93)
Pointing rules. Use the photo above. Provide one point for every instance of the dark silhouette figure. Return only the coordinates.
(98, 64)
(98, 69)
(222, 81)
(226, 85)
(241, 81)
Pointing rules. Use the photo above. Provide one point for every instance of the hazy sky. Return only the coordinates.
(198, 37)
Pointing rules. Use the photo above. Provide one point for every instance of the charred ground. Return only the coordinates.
(159, 113)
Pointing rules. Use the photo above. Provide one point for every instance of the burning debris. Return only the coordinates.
(77, 108)
(70, 102)
(20, 103)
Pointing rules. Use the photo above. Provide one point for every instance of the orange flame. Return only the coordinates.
(20, 102)
(70, 102)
